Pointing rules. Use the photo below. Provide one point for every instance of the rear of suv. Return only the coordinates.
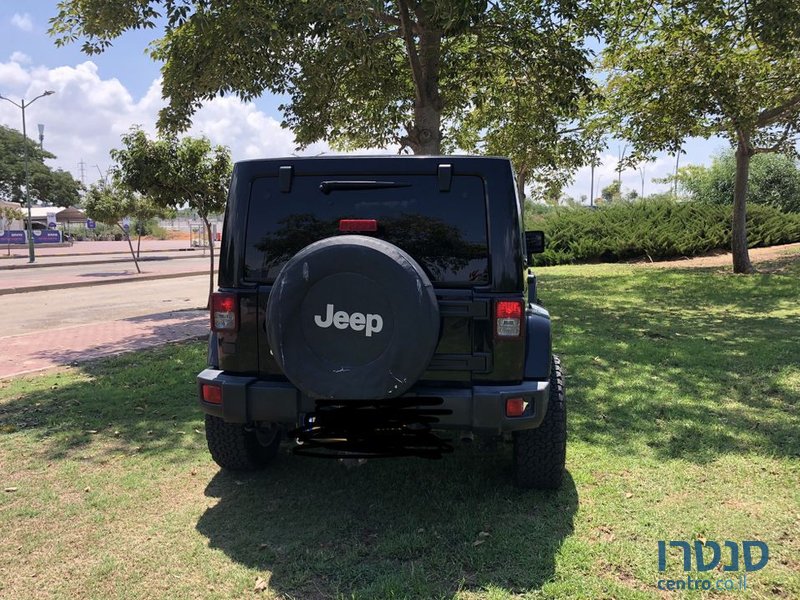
(368, 304)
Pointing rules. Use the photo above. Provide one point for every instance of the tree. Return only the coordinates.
(611, 193)
(176, 173)
(10, 213)
(774, 179)
(422, 74)
(702, 68)
(145, 209)
(51, 185)
(110, 204)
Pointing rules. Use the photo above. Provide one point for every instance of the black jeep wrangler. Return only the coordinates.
(367, 304)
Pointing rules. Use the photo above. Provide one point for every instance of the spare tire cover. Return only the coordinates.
(352, 317)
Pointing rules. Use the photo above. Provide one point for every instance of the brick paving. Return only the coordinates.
(70, 345)
(42, 350)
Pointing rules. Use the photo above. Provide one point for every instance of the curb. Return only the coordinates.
(102, 252)
(91, 262)
(78, 284)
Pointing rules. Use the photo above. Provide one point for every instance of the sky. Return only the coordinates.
(101, 97)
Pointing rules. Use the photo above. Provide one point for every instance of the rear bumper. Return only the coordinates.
(480, 409)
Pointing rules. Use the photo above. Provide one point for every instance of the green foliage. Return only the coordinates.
(704, 68)
(774, 180)
(655, 229)
(10, 213)
(101, 232)
(109, 204)
(51, 185)
(175, 173)
(506, 78)
(152, 228)
(612, 192)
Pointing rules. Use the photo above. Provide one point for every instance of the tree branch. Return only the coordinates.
(771, 115)
(385, 35)
(413, 55)
(385, 18)
(777, 146)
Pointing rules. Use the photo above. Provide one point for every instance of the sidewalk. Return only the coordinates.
(79, 248)
(88, 274)
(11, 264)
(41, 350)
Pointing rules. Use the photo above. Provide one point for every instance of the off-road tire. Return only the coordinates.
(540, 454)
(235, 447)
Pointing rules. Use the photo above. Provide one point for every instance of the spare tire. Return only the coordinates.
(352, 317)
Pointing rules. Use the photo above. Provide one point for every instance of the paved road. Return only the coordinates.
(13, 281)
(47, 329)
(46, 311)
(14, 264)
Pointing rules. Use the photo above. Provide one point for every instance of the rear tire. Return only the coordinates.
(540, 454)
(236, 447)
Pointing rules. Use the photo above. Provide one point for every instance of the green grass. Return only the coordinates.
(683, 388)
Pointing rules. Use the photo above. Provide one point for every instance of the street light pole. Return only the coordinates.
(22, 106)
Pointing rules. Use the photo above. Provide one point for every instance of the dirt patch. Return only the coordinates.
(757, 255)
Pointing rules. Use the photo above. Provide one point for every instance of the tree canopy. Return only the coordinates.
(110, 204)
(704, 68)
(774, 180)
(504, 77)
(50, 185)
(174, 173)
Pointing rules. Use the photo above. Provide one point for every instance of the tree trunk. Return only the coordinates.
(426, 130)
(130, 245)
(211, 265)
(521, 174)
(741, 257)
(424, 135)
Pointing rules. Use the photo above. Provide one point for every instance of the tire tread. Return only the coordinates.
(540, 454)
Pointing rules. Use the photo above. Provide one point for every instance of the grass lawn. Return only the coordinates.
(683, 388)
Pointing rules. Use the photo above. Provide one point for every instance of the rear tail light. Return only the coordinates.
(212, 393)
(515, 407)
(358, 225)
(224, 312)
(508, 318)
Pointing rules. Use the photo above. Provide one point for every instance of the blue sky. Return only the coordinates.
(99, 98)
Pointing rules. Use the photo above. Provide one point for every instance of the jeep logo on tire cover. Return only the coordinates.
(357, 321)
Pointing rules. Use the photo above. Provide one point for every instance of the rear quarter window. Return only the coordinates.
(445, 232)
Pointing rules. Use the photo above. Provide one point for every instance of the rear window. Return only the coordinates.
(445, 232)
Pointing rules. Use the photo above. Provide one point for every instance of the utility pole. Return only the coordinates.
(641, 172)
(677, 162)
(22, 106)
(82, 166)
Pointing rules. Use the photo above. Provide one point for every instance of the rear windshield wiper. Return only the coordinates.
(326, 187)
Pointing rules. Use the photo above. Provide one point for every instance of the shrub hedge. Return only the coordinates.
(659, 229)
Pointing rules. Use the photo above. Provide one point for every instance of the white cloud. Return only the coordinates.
(13, 76)
(88, 113)
(20, 58)
(22, 21)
